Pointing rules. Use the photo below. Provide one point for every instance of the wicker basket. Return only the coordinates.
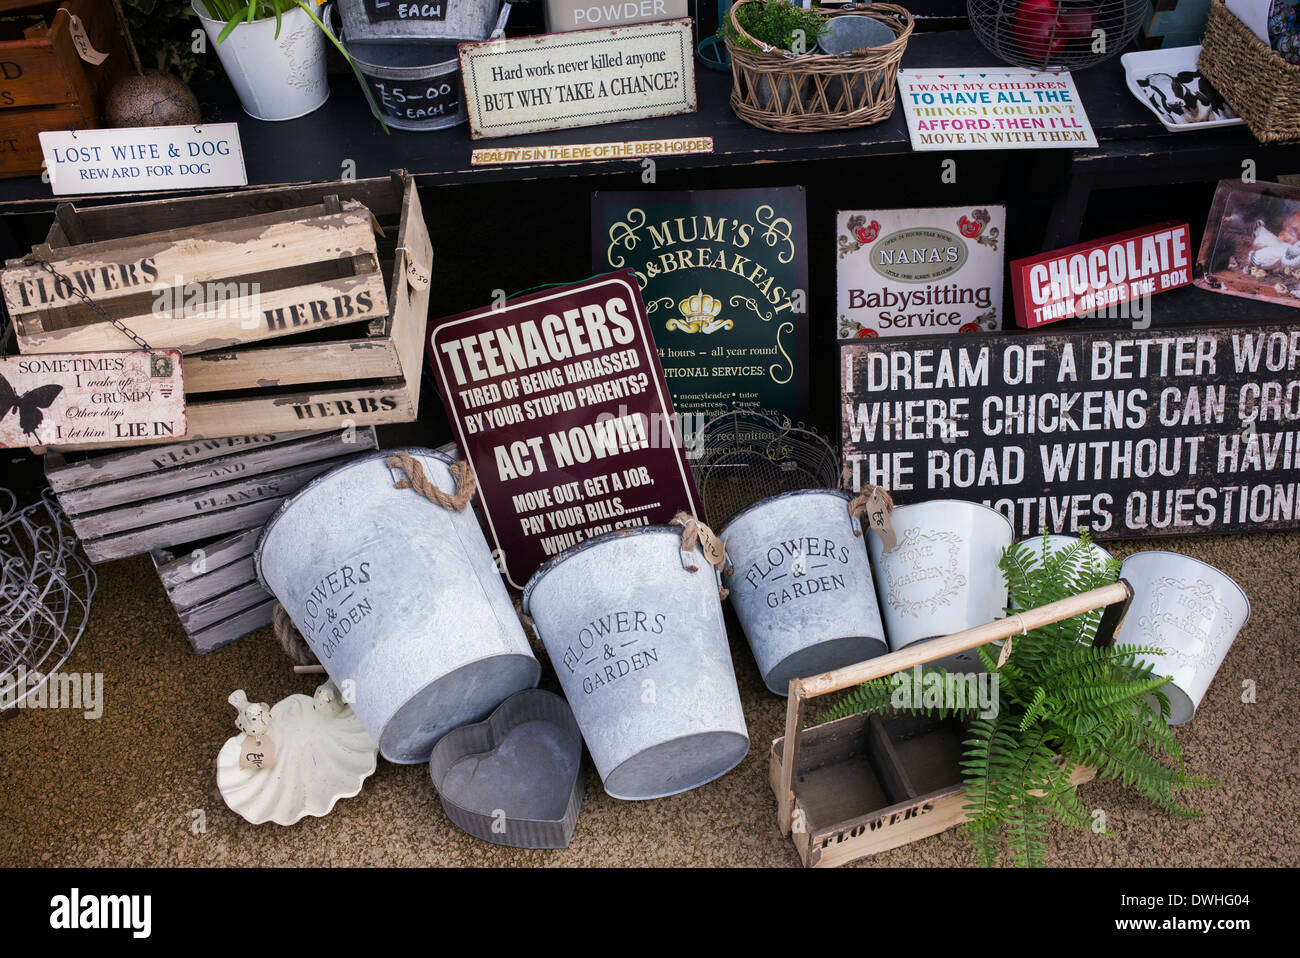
(1258, 84)
(814, 92)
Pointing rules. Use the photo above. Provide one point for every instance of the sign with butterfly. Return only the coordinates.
(56, 399)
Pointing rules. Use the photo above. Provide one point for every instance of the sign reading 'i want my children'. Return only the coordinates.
(558, 400)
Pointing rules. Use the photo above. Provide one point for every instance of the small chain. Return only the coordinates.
(117, 323)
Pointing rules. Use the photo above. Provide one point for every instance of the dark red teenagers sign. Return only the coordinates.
(559, 402)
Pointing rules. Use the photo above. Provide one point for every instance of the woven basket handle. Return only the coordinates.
(901, 15)
(745, 33)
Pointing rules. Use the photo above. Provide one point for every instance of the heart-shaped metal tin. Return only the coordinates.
(516, 777)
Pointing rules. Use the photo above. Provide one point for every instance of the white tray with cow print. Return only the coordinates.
(1168, 83)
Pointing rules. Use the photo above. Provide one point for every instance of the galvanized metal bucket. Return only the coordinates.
(417, 19)
(943, 575)
(640, 647)
(400, 599)
(416, 85)
(801, 586)
(1189, 609)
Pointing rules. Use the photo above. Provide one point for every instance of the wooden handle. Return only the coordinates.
(920, 653)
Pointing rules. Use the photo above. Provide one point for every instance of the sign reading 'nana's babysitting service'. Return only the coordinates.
(584, 78)
(1126, 433)
(558, 401)
(992, 109)
(142, 158)
(724, 275)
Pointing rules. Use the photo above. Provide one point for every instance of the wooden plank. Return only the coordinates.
(213, 583)
(20, 147)
(186, 530)
(114, 522)
(214, 637)
(223, 607)
(175, 571)
(63, 475)
(323, 409)
(256, 461)
(411, 307)
(886, 763)
(299, 364)
(121, 220)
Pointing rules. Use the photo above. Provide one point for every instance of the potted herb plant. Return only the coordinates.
(1062, 702)
(274, 53)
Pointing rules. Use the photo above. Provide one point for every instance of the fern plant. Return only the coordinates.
(1062, 702)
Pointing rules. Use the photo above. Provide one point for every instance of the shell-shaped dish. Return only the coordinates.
(320, 758)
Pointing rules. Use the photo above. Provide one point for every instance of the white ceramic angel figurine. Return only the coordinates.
(322, 754)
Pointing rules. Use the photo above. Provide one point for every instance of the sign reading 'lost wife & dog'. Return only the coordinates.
(1125, 433)
(583, 78)
(558, 400)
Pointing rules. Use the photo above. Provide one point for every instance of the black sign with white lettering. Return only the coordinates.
(429, 98)
(380, 10)
(1126, 433)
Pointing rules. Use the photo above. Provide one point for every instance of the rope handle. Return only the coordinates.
(884, 12)
(415, 479)
(715, 550)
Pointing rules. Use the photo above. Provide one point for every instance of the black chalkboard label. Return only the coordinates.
(382, 10)
(425, 99)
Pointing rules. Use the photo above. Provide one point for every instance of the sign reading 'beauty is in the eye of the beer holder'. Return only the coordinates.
(558, 400)
(1124, 432)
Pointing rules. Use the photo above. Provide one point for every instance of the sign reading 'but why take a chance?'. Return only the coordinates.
(559, 403)
(992, 109)
(583, 78)
(1123, 432)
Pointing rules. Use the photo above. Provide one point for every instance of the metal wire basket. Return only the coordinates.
(46, 587)
(747, 456)
(1051, 35)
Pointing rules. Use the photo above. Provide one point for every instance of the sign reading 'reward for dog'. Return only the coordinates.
(1125, 433)
(583, 78)
(993, 109)
(559, 403)
(74, 398)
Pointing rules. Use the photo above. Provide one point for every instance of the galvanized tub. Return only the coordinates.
(943, 575)
(416, 85)
(641, 650)
(417, 19)
(1189, 609)
(400, 599)
(801, 586)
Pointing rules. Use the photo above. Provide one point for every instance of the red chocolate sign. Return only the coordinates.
(1100, 275)
(559, 402)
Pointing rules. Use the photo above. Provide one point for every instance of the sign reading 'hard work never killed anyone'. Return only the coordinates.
(583, 78)
(65, 398)
(559, 402)
(1126, 433)
(144, 158)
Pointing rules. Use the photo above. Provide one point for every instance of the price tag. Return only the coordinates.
(877, 513)
(81, 40)
(416, 275)
(715, 550)
(257, 752)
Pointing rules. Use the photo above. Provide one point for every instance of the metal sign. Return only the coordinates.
(73, 398)
(1126, 433)
(582, 78)
(143, 158)
(1100, 275)
(995, 108)
(559, 403)
(586, 152)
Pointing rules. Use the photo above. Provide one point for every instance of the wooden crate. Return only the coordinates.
(316, 377)
(214, 589)
(44, 84)
(143, 499)
(863, 784)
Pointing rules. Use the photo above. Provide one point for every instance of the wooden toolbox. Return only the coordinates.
(866, 783)
(142, 499)
(44, 83)
(292, 314)
(213, 586)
